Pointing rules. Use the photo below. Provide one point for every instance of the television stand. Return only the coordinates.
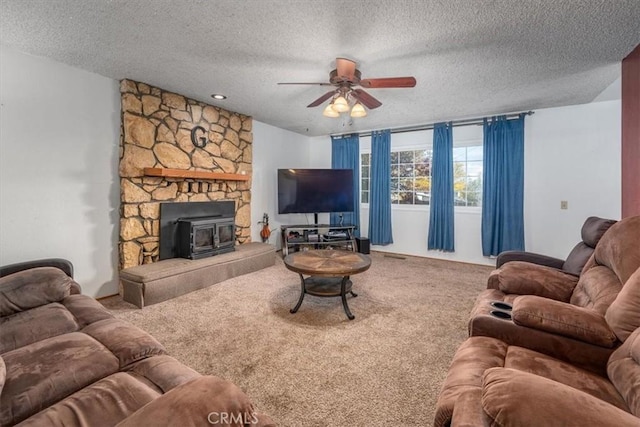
(308, 236)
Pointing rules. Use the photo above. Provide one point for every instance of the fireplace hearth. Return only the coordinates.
(197, 230)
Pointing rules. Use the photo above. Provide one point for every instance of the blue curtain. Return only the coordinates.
(345, 154)
(380, 189)
(441, 210)
(503, 186)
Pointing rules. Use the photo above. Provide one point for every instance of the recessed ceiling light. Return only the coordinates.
(218, 96)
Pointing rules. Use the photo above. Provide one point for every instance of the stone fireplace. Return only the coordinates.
(159, 163)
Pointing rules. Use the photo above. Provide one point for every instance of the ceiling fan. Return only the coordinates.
(345, 77)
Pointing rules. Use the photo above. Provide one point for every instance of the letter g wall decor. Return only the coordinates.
(199, 142)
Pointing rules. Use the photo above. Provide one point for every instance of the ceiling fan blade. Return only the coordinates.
(369, 101)
(307, 83)
(346, 69)
(321, 99)
(388, 82)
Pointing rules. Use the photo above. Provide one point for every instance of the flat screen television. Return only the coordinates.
(315, 190)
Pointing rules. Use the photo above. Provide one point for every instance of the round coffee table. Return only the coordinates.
(329, 272)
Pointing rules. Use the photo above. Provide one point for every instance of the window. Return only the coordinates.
(411, 176)
(365, 162)
(467, 176)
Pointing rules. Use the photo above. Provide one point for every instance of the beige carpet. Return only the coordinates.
(315, 367)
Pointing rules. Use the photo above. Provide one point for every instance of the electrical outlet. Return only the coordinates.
(564, 204)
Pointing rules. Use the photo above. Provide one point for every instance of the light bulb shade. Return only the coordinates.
(358, 110)
(330, 112)
(341, 105)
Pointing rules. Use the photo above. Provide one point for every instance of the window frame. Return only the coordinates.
(472, 142)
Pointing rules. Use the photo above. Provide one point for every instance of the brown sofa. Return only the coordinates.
(491, 383)
(546, 365)
(569, 319)
(591, 232)
(65, 360)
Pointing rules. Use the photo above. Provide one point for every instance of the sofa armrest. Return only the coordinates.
(523, 278)
(563, 319)
(203, 401)
(60, 263)
(467, 411)
(515, 398)
(508, 256)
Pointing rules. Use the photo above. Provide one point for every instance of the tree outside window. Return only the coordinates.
(467, 175)
(411, 176)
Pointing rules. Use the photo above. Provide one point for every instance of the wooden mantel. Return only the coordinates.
(189, 174)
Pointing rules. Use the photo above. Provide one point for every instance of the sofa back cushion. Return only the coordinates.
(623, 370)
(597, 288)
(618, 252)
(623, 316)
(32, 288)
(592, 231)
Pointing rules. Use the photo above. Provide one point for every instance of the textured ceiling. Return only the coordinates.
(470, 57)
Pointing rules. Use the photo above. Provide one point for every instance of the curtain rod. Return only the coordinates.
(463, 122)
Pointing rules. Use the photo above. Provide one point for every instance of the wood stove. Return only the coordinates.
(197, 229)
(204, 237)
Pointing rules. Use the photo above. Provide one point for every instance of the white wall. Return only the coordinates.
(59, 191)
(273, 149)
(571, 153)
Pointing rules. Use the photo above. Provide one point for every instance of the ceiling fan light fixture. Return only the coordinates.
(358, 110)
(340, 104)
(329, 111)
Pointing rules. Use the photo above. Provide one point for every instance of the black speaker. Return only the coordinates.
(363, 245)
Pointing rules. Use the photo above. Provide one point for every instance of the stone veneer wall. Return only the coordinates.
(156, 132)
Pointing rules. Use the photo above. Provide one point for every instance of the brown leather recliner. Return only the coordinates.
(491, 383)
(592, 231)
(564, 319)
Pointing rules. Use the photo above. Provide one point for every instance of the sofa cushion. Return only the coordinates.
(32, 288)
(127, 342)
(619, 249)
(594, 228)
(596, 289)
(624, 313)
(202, 401)
(563, 319)
(27, 327)
(105, 402)
(514, 398)
(577, 258)
(525, 360)
(164, 372)
(524, 278)
(85, 309)
(45, 372)
(624, 371)
(592, 231)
